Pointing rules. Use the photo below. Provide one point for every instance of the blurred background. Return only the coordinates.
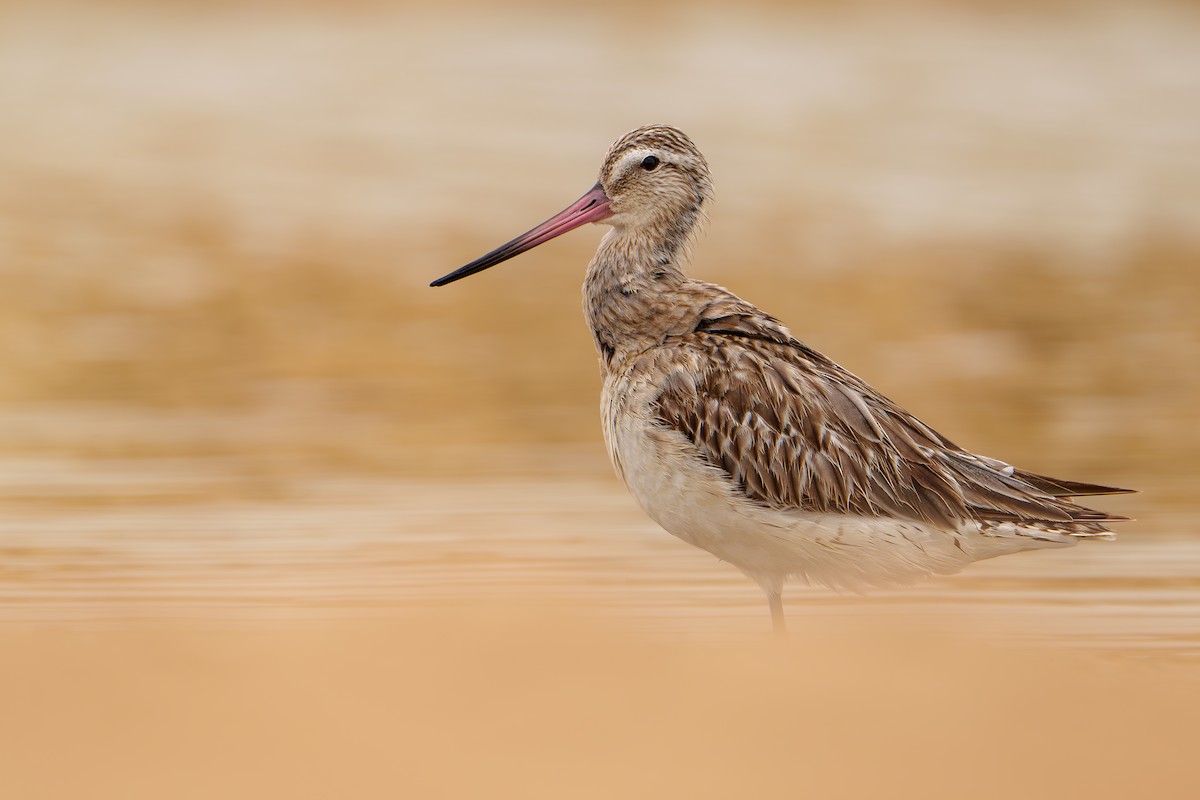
(228, 397)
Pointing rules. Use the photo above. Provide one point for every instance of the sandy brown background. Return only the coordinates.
(277, 519)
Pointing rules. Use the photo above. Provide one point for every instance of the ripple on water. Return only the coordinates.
(108, 540)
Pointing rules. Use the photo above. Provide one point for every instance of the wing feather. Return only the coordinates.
(796, 431)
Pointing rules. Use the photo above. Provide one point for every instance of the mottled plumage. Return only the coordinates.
(739, 439)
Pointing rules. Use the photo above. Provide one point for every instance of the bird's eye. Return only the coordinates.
(650, 163)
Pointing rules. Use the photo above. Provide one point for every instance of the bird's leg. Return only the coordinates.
(772, 586)
(775, 600)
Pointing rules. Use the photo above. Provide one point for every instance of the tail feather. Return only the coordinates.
(1064, 488)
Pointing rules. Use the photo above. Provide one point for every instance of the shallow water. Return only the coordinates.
(225, 539)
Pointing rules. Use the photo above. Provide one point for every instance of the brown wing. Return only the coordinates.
(796, 431)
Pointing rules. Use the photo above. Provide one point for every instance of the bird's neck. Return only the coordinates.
(628, 295)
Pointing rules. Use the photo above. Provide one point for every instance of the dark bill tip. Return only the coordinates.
(592, 207)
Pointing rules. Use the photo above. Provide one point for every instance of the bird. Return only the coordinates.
(739, 439)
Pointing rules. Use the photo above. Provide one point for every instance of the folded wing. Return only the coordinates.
(797, 431)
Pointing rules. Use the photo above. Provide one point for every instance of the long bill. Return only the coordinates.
(592, 207)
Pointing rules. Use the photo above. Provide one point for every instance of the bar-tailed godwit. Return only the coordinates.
(739, 439)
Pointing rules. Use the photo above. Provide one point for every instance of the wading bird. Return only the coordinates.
(739, 439)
